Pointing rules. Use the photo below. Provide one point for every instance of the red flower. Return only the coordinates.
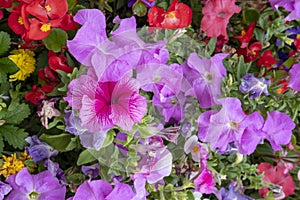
(58, 63)
(1, 14)
(17, 21)
(246, 36)
(5, 3)
(284, 87)
(251, 53)
(276, 175)
(68, 23)
(35, 95)
(266, 59)
(216, 17)
(179, 15)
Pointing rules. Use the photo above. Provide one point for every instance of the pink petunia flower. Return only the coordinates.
(216, 17)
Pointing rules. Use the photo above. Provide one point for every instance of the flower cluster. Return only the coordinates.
(149, 99)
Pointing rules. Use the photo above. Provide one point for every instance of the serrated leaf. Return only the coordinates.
(16, 113)
(7, 66)
(5, 42)
(13, 135)
(56, 40)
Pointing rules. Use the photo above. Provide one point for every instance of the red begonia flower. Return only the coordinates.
(179, 15)
(246, 36)
(68, 23)
(5, 3)
(17, 20)
(266, 59)
(276, 175)
(251, 53)
(216, 15)
(35, 95)
(38, 30)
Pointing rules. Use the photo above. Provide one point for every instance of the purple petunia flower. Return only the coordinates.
(290, 5)
(92, 170)
(120, 191)
(42, 186)
(278, 129)
(93, 190)
(221, 128)
(294, 82)
(232, 193)
(254, 86)
(205, 76)
(39, 151)
(4, 189)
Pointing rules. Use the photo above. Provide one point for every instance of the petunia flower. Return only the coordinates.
(278, 129)
(216, 15)
(254, 86)
(120, 191)
(179, 15)
(92, 170)
(40, 186)
(205, 76)
(290, 5)
(205, 183)
(276, 175)
(39, 151)
(221, 128)
(294, 81)
(4, 189)
(232, 193)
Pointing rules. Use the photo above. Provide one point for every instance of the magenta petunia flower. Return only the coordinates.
(205, 183)
(205, 76)
(278, 128)
(42, 186)
(290, 5)
(216, 15)
(294, 82)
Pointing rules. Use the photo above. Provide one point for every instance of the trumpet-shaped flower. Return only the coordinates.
(254, 86)
(216, 17)
(290, 5)
(205, 76)
(39, 186)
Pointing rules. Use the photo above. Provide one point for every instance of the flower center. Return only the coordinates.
(233, 125)
(171, 15)
(209, 77)
(33, 195)
(48, 8)
(221, 14)
(45, 27)
(195, 149)
(20, 20)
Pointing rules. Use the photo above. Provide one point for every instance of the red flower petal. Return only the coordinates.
(56, 9)
(5, 3)
(38, 30)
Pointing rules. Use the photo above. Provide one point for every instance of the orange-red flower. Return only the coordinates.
(266, 59)
(179, 15)
(246, 36)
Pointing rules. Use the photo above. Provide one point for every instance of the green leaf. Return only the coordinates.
(250, 15)
(1, 144)
(210, 47)
(13, 135)
(5, 42)
(59, 142)
(16, 113)
(85, 157)
(56, 40)
(139, 9)
(109, 138)
(71, 4)
(7, 66)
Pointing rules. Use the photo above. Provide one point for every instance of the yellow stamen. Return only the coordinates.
(20, 20)
(298, 36)
(171, 15)
(243, 32)
(45, 27)
(48, 8)
(195, 149)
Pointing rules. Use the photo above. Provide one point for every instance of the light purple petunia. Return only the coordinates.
(221, 128)
(120, 191)
(205, 76)
(290, 5)
(278, 129)
(4, 189)
(93, 190)
(294, 82)
(42, 186)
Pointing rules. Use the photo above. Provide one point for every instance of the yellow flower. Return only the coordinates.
(11, 165)
(25, 61)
